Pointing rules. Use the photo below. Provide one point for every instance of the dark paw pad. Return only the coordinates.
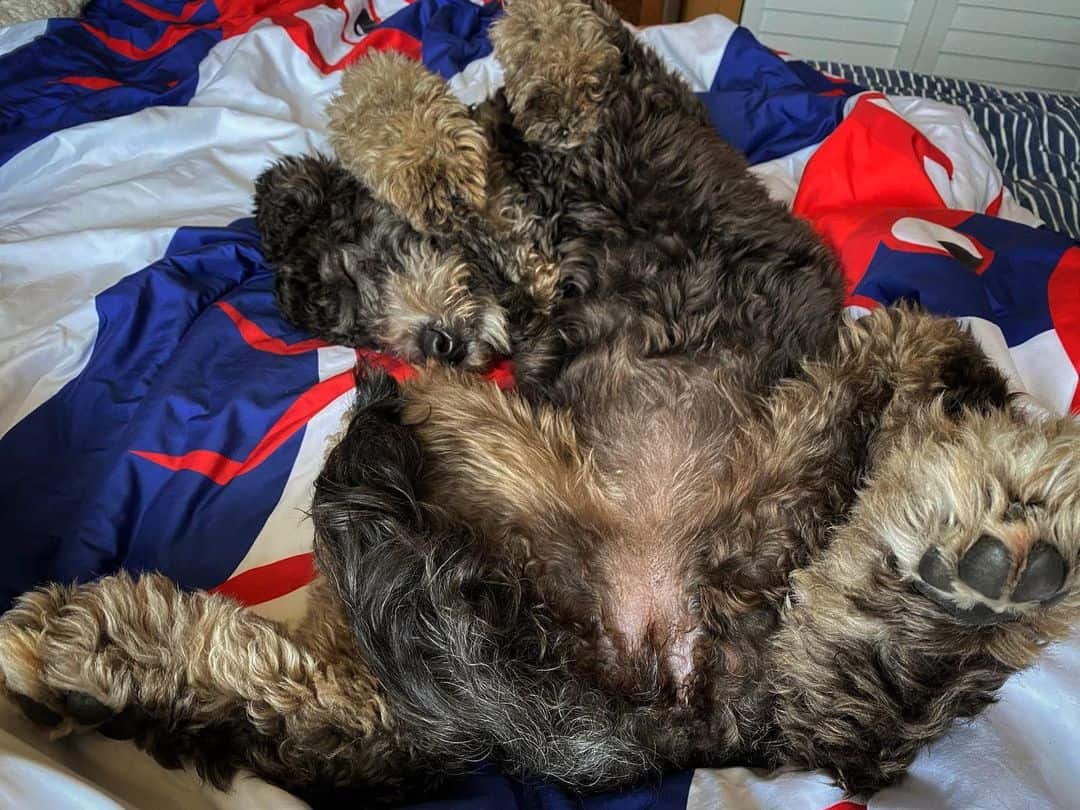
(87, 710)
(38, 712)
(1043, 576)
(936, 571)
(125, 725)
(986, 566)
(986, 569)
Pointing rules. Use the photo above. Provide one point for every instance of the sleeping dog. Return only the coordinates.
(717, 524)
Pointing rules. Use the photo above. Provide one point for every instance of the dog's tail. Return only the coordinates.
(473, 666)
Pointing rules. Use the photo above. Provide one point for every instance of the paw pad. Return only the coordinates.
(985, 571)
(1044, 575)
(986, 566)
(87, 710)
(80, 707)
(125, 725)
(38, 712)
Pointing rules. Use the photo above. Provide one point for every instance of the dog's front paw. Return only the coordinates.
(559, 63)
(399, 129)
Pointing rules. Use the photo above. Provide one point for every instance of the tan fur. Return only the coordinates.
(572, 74)
(434, 289)
(715, 547)
(203, 659)
(398, 128)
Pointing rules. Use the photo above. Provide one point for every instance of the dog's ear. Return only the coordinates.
(289, 195)
(369, 480)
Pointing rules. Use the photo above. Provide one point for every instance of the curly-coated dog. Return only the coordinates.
(721, 525)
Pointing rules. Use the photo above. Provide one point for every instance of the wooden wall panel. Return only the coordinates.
(692, 9)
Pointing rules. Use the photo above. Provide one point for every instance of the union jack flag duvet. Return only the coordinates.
(156, 412)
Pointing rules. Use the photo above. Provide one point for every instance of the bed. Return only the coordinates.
(157, 413)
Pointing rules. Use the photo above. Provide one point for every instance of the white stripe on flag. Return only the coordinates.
(1046, 371)
(745, 789)
(15, 36)
(695, 48)
(287, 530)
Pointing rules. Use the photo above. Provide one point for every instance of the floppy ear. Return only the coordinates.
(496, 459)
(365, 492)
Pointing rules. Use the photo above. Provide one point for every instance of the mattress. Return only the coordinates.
(156, 412)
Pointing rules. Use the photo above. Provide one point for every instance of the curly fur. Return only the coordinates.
(398, 128)
(717, 523)
(13, 12)
(352, 272)
(655, 485)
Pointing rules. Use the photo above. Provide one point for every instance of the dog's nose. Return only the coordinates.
(440, 345)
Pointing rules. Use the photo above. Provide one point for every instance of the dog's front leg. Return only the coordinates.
(400, 130)
(194, 678)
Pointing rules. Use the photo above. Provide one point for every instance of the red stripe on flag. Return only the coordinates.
(502, 374)
(90, 82)
(381, 39)
(257, 339)
(846, 805)
(221, 469)
(1063, 294)
(271, 581)
(186, 13)
(131, 51)
(396, 368)
(854, 300)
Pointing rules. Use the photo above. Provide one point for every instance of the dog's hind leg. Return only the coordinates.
(467, 651)
(957, 564)
(400, 130)
(194, 678)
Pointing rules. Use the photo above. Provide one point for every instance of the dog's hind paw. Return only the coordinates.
(41, 652)
(559, 60)
(76, 657)
(984, 519)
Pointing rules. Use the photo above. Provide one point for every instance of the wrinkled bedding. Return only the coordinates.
(157, 413)
(1034, 137)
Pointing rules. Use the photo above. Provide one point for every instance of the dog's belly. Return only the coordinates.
(661, 484)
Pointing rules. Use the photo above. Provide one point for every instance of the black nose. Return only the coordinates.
(442, 346)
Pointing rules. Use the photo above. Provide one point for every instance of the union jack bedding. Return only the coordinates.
(157, 413)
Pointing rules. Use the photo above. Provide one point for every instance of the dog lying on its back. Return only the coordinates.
(718, 525)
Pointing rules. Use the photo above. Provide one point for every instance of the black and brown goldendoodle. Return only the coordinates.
(718, 524)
